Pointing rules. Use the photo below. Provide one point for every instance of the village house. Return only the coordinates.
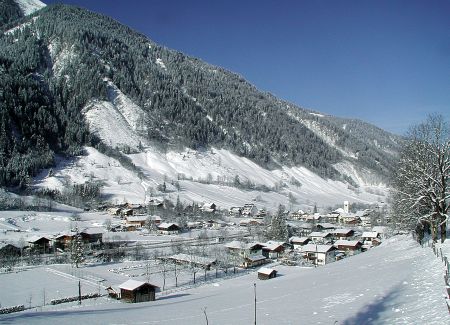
(325, 226)
(137, 291)
(298, 242)
(63, 240)
(254, 260)
(261, 214)
(208, 207)
(311, 218)
(349, 219)
(265, 273)
(332, 217)
(349, 247)
(297, 215)
(8, 250)
(300, 228)
(114, 211)
(272, 249)
(250, 252)
(250, 223)
(39, 244)
(319, 254)
(235, 211)
(134, 222)
(92, 235)
(167, 228)
(342, 233)
(369, 235)
(249, 210)
(320, 237)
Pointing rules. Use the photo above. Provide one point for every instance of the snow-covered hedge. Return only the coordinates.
(75, 298)
(13, 309)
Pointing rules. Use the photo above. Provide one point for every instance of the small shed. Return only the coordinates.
(137, 291)
(265, 273)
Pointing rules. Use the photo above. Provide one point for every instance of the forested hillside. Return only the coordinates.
(56, 61)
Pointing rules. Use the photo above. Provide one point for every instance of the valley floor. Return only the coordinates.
(396, 283)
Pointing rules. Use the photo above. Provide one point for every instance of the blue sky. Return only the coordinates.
(385, 62)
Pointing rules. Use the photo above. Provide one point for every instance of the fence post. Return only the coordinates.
(442, 256)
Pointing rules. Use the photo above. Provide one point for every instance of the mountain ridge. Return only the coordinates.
(75, 58)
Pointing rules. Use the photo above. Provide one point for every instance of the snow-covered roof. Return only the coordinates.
(272, 245)
(266, 271)
(193, 259)
(93, 231)
(255, 258)
(317, 248)
(136, 218)
(166, 225)
(235, 244)
(326, 225)
(351, 243)
(319, 234)
(341, 231)
(133, 285)
(369, 234)
(296, 239)
(34, 239)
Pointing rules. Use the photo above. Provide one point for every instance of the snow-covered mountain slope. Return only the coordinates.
(29, 6)
(396, 283)
(207, 176)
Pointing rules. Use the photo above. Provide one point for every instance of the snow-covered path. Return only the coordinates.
(396, 283)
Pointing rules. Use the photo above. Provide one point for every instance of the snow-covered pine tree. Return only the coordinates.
(77, 249)
(278, 227)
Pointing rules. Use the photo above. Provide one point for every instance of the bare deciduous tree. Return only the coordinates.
(421, 184)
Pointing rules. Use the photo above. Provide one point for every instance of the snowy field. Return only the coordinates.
(122, 185)
(396, 283)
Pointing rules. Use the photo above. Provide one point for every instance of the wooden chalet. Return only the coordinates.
(272, 249)
(369, 235)
(320, 237)
(9, 250)
(137, 291)
(209, 207)
(235, 211)
(265, 273)
(92, 235)
(249, 210)
(325, 226)
(64, 240)
(298, 242)
(319, 254)
(167, 228)
(135, 222)
(342, 233)
(39, 244)
(349, 247)
(254, 260)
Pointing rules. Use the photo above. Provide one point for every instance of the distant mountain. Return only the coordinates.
(70, 78)
(11, 10)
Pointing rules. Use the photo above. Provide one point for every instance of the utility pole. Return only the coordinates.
(79, 292)
(254, 286)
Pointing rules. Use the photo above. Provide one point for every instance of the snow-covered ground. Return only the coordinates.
(396, 283)
(193, 168)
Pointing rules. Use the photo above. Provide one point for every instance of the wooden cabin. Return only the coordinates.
(265, 273)
(137, 291)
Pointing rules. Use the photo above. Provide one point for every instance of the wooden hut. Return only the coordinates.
(265, 273)
(137, 291)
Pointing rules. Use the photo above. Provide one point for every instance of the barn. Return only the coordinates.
(137, 291)
(265, 273)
